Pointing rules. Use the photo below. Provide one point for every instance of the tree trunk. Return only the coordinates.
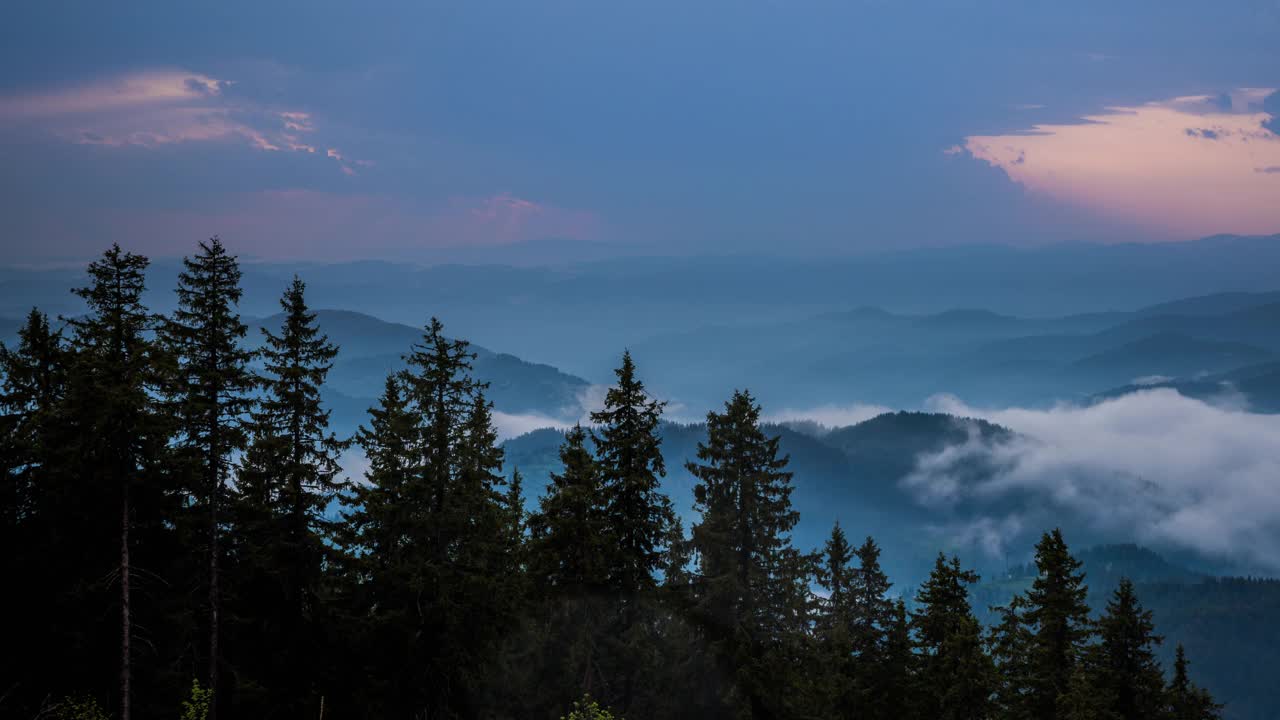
(126, 630)
(214, 600)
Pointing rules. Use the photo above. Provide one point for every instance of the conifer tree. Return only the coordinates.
(898, 669)
(32, 376)
(567, 533)
(121, 435)
(212, 390)
(1121, 676)
(32, 380)
(1059, 618)
(1186, 701)
(750, 587)
(1010, 643)
(629, 458)
(287, 479)
(835, 625)
(427, 534)
(956, 675)
(872, 618)
(638, 518)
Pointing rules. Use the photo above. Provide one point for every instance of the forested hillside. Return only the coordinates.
(181, 530)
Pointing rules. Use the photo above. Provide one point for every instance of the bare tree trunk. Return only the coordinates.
(126, 629)
(214, 600)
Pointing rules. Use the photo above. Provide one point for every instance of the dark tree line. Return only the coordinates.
(174, 512)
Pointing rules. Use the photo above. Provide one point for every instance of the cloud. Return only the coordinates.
(1153, 466)
(588, 400)
(1150, 165)
(133, 90)
(828, 416)
(153, 108)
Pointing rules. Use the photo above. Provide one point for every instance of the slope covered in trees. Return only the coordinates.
(175, 510)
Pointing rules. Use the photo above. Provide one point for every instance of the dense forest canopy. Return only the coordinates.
(181, 535)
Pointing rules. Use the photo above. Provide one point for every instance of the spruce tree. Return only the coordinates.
(956, 677)
(898, 668)
(425, 536)
(1010, 643)
(629, 458)
(1121, 676)
(1184, 700)
(871, 620)
(212, 389)
(120, 442)
(751, 589)
(835, 627)
(567, 533)
(287, 480)
(1059, 619)
(638, 518)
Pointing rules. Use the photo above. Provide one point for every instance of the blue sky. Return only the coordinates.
(341, 130)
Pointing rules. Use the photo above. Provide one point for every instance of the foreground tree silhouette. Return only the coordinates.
(1058, 617)
(749, 589)
(121, 433)
(956, 676)
(427, 547)
(287, 479)
(637, 514)
(32, 501)
(212, 396)
(1119, 677)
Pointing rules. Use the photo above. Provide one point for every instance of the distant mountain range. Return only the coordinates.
(370, 349)
(578, 314)
(870, 355)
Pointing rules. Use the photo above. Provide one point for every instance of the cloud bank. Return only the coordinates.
(1152, 466)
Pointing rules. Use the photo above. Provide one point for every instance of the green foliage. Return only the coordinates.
(196, 705)
(588, 709)
(85, 708)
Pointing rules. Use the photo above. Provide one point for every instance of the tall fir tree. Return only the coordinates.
(288, 478)
(1059, 619)
(638, 518)
(750, 589)
(1120, 678)
(956, 676)
(212, 391)
(872, 619)
(426, 535)
(629, 458)
(121, 436)
(835, 626)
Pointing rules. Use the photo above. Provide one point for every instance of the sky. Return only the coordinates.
(335, 130)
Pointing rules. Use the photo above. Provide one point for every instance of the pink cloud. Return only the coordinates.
(153, 87)
(1185, 167)
(163, 107)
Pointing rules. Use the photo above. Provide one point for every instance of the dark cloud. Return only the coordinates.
(1206, 133)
